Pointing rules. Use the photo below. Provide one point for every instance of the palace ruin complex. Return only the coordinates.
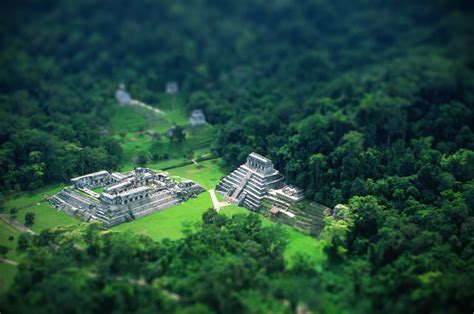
(123, 196)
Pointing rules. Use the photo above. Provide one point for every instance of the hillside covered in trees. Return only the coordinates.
(365, 103)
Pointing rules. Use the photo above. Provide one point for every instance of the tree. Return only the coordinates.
(3, 250)
(13, 211)
(25, 240)
(178, 134)
(29, 218)
(142, 159)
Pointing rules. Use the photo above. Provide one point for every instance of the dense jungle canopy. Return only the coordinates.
(365, 103)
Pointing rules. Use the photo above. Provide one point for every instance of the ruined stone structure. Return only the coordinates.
(284, 198)
(255, 181)
(122, 96)
(197, 118)
(171, 88)
(125, 196)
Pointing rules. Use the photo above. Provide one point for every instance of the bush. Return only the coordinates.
(29, 218)
(3, 250)
(13, 211)
(25, 240)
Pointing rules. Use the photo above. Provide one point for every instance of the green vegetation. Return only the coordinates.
(298, 243)
(46, 217)
(237, 256)
(149, 145)
(8, 273)
(134, 119)
(24, 200)
(207, 173)
(98, 190)
(364, 103)
(169, 222)
(232, 210)
(9, 238)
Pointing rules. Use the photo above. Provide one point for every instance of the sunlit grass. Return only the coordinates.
(169, 222)
(206, 173)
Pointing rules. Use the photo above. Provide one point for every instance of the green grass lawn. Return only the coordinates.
(232, 210)
(7, 275)
(7, 231)
(207, 173)
(98, 190)
(175, 116)
(25, 199)
(46, 217)
(169, 222)
(220, 198)
(7, 272)
(303, 244)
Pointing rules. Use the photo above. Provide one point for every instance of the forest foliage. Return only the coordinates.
(367, 103)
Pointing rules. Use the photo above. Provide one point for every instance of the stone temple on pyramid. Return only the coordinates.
(256, 181)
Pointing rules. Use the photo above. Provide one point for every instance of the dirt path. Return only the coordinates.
(8, 261)
(15, 224)
(141, 104)
(215, 202)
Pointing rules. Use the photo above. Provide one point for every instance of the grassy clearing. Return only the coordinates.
(46, 217)
(134, 127)
(305, 245)
(220, 198)
(27, 199)
(175, 116)
(8, 272)
(198, 140)
(169, 223)
(7, 275)
(232, 210)
(134, 118)
(207, 173)
(6, 232)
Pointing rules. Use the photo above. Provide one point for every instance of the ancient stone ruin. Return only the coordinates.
(257, 181)
(122, 96)
(171, 87)
(122, 197)
(197, 118)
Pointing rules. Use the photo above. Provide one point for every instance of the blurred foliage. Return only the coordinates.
(368, 103)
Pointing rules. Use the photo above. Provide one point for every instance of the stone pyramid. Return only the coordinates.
(248, 185)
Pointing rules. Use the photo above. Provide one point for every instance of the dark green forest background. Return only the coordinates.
(368, 103)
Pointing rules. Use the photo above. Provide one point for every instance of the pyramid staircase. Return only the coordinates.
(241, 185)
